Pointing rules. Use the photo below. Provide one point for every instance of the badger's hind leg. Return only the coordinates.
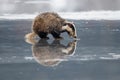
(43, 35)
(56, 35)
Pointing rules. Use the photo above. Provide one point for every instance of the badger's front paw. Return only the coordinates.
(59, 38)
(45, 38)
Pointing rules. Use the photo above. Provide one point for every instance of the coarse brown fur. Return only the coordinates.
(48, 23)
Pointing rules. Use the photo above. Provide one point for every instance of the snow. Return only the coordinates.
(89, 15)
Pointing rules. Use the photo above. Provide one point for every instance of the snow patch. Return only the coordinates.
(28, 58)
(36, 2)
(89, 15)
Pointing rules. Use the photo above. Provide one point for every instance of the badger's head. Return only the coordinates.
(69, 27)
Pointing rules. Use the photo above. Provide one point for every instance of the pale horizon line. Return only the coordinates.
(83, 15)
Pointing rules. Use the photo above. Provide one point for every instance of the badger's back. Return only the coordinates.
(47, 22)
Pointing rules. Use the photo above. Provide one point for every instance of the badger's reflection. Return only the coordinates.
(51, 54)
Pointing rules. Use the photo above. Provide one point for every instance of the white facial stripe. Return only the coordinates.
(64, 27)
(69, 29)
(75, 29)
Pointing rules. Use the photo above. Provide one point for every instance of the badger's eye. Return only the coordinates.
(64, 24)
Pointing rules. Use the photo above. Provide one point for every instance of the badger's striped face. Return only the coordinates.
(71, 30)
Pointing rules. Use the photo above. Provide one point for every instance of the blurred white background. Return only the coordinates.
(33, 6)
(28, 9)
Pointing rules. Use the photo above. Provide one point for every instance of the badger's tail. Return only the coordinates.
(30, 35)
(29, 38)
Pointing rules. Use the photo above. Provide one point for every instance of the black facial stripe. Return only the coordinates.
(68, 32)
(72, 26)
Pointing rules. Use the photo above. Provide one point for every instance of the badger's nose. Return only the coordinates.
(75, 36)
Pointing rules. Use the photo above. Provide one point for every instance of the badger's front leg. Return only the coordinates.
(56, 35)
(43, 35)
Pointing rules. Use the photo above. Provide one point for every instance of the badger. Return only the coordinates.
(51, 23)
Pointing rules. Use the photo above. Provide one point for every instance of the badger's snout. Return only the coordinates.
(75, 36)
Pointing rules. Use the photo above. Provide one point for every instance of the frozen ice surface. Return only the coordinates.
(96, 56)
